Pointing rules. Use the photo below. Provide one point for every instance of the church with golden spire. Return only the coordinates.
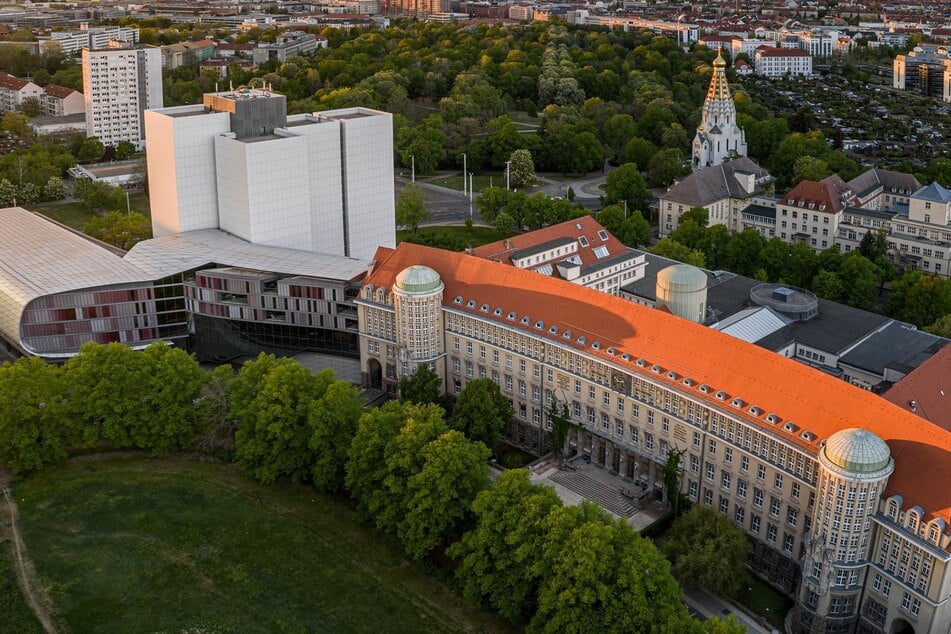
(718, 137)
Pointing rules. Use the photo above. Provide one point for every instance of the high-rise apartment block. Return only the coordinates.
(314, 182)
(119, 83)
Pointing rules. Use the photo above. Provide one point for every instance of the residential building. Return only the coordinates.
(883, 189)
(834, 485)
(175, 55)
(580, 251)
(811, 211)
(922, 240)
(59, 101)
(718, 138)
(318, 182)
(119, 83)
(72, 42)
(926, 69)
(287, 45)
(743, 68)
(782, 62)
(724, 190)
(14, 91)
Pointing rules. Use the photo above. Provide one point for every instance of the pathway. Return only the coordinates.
(708, 605)
(26, 575)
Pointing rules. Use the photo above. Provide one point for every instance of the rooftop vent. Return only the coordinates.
(782, 294)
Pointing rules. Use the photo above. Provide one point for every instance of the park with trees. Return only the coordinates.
(416, 474)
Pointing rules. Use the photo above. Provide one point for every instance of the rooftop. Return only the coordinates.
(710, 184)
(174, 254)
(626, 332)
(926, 392)
(934, 192)
(896, 346)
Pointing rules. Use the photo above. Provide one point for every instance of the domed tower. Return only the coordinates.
(718, 137)
(854, 465)
(417, 299)
(683, 290)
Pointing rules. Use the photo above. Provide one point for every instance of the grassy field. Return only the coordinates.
(765, 600)
(452, 237)
(131, 544)
(15, 614)
(479, 181)
(76, 216)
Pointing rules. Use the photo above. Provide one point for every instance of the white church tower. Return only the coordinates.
(718, 137)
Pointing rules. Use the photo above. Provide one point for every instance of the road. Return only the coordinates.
(702, 604)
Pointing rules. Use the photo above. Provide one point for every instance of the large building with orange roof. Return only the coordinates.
(846, 497)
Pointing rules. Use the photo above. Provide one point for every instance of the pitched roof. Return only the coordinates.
(934, 192)
(710, 184)
(867, 182)
(59, 92)
(11, 82)
(814, 400)
(832, 194)
(929, 388)
(580, 231)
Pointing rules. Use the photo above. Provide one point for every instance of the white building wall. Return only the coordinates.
(369, 205)
(277, 191)
(325, 184)
(181, 164)
(234, 212)
(150, 65)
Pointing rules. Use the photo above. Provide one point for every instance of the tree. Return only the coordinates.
(941, 327)
(920, 298)
(666, 166)
(707, 550)
(491, 201)
(672, 250)
(560, 424)
(827, 285)
(810, 168)
(55, 189)
(859, 277)
(602, 576)
(481, 412)
(743, 252)
(504, 224)
(404, 458)
(124, 150)
(17, 125)
(366, 459)
(169, 411)
(521, 168)
(438, 497)
(99, 196)
(410, 209)
(90, 150)
(672, 473)
(422, 386)
(216, 428)
(272, 433)
(31, 397)
(640, 152)
(333, 419)
(625, 184)
(938, 171)
(120, 229)
(501, 558)
(31, 107)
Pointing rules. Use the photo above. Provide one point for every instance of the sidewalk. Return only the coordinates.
(709, 606)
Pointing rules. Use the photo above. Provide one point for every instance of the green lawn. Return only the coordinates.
(765, 600)
(76, 215)
(479, 181)
(454, 238)
(132, 544)
(15, 615)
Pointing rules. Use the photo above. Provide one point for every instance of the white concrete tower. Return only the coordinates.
(718, 137)
(854, 469)
(417, 299)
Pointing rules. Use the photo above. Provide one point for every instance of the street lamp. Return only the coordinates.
(464, 172)
(470, 194)
(508, 165)
(412, 159)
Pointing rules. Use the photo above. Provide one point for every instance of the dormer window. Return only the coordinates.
(582, 340)
(790, 427)
(807, 435)
(553, 330)
(457, 299)
(737, 402)
(688, 381)
(539, 325)
(625, 356)
(566, 334)
(656, 369)
(526, 320)
(720, 395)
(484, 308)
(641, 363)
(470, 303)
(755, 411)
(772, 419)
(497, 312)
(596, 345)
(610, 351)
(704, 388)
(511, 316)
(672, 375)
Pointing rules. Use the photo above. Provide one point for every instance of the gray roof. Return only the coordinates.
(40, 257)
(877, 214)
(869, 181)
(710, 184)
(174, 254)
(897, 346)
(542, 247)
(934, 192)
(760, 210)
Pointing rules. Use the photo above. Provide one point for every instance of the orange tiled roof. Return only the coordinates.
(11, 82)
(502, 250)
(813, 400)
(59, 92)
(832, 192)
(929, 386)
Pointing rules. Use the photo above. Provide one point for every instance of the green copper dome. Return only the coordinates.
(418, 279)
(857, 450)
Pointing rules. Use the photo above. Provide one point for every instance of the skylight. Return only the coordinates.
(601, 252)
(603, 235)
(583, 240)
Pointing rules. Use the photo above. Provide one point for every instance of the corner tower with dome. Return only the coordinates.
(718, 137)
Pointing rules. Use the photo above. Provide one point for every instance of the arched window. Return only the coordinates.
(892, 509)
(913, 522)
(934, 533)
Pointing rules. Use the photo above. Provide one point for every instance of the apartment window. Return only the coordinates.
(774, 506)
(469, 348)
(778, 481)
(739, 514)
(724, 505)
(649, 441)
(754, 523)
(710, 472)
(692, 489)
(741, 489)
(712, 447)
(650, 417)
(771, 533)
(578, 387)
(792, 517)
(745, 463)
(605, 421)
(696, 439)
(606, 399)
(694, 463)
(876, 612)
(760, 472)
(788, 542)
(521, 388)
(591, 416)
(508, 383)
(708, 497)
(817, 570)
(795, 490)
(725, 480)
(665, 424)
(758, 498)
